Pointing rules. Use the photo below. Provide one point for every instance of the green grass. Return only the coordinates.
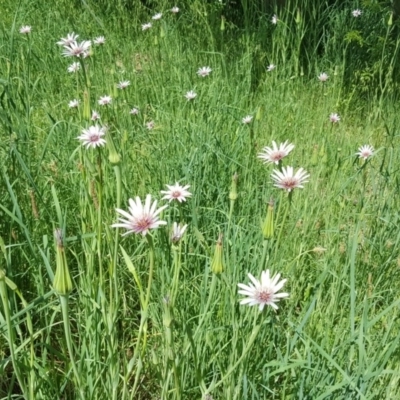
(336, 336)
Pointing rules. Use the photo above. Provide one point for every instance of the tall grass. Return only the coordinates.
(148, 319)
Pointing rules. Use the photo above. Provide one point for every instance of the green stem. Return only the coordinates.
(177, 267)
(205, 311)
(282, 224)
(67, 330)
(143, 320)
(10, 331)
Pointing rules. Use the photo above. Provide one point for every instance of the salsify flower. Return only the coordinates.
(71, 38)
(190, 95)
(271, 67)
(99, 40)
(274, 19)
(95, 116)
(141, 217)
(134, 111)
(93, 136)
(356, 13)
(150, 125)
(175, 10)
(25, 29)
(176, 192)
(247, 119)
(334, 118)
(365, 151)
(323, 77)
(146, 26)
(105, 100)
(274, 154)
(288, 180)
(156, 16)
(177, 232)
(76, 49)
(123, 84)
(204, 71)
(74, 67)
(73, 103)
(264, 291)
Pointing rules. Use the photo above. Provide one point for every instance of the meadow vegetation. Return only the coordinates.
(89, 310)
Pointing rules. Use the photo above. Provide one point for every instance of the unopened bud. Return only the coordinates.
(113, 156)
(390, 22)
(62, 283)
(233, 193)
(222, 23)
(314, 156)
(268, 226)
(217, 264)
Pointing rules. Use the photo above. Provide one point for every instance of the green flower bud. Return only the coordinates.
(62, 283)
(233, 193)
(217, 264)
(113, 156)
(268, 226)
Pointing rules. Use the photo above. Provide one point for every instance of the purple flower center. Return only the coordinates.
(265, 296)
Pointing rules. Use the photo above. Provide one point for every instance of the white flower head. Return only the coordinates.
(105, 100)
(157, 16)
(26, 29)
(76, 49)
(134, 111)
(95, 116)
(177, 232)
(334, 118)
(74, 67)
(365, 151)
(73, 103)
(123, 84)
(93, 137)
(150, 125)
(141, 218)
(190, 95)
(99, 40)
(271, 67)
(264, 291)
(274, 19)
(247, 119)
(146, 26)
(204, 71)
(175, 10)
(356, 13)
(323, 77)
(176, 192)
(288, 180)
(275, 153)
(71, 38)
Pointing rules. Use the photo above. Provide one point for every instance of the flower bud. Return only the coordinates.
(268, 226)
(217, 264)
(390, 22)
(62, 283)
(222, 23)
(113, 156)
(233, 193)
(314, 156)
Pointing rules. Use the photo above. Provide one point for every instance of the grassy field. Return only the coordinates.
(90, 312)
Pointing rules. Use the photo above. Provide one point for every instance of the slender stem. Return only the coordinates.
(99, 216)
(283, 224)
(144, 317)
(67, 330)
(210, 297)
(10, 331)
